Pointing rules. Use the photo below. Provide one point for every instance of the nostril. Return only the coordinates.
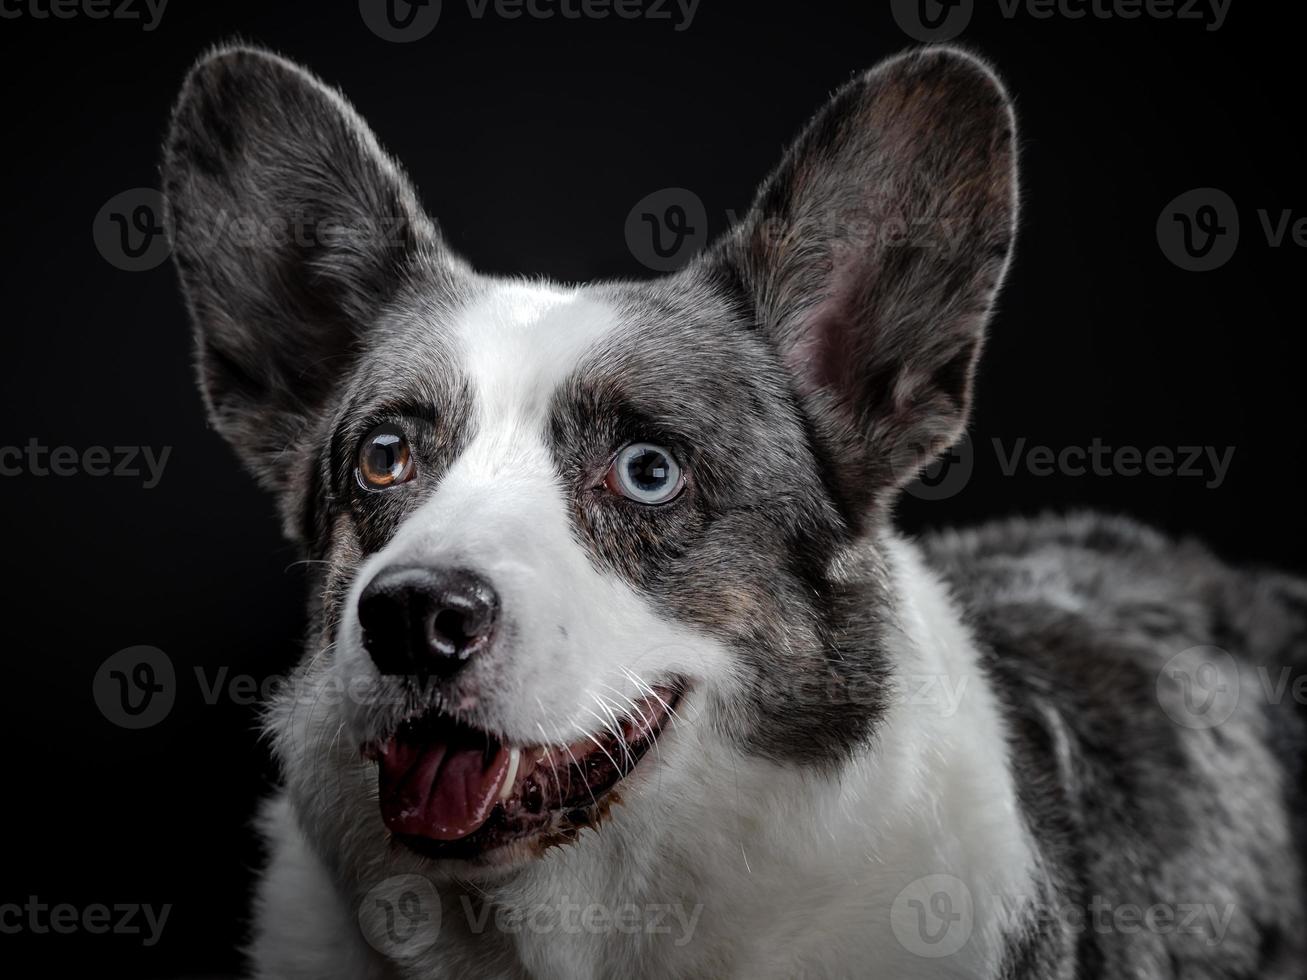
(464, 619)
(449, 632)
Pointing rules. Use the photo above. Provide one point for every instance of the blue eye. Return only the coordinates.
(645, 473)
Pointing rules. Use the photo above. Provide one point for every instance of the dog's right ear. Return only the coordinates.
(872, 258)
(291, 229)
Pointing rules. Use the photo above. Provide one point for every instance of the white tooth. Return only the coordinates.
(514, 757)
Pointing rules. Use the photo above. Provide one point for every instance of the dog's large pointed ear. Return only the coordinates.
(873, 254)
(291, 229)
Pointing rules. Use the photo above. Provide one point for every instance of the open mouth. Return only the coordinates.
(451, 791)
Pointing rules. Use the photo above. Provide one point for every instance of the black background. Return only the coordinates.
(531, 140)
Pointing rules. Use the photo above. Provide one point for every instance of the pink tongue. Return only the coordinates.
(442, 789)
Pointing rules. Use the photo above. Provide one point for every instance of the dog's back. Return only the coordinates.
(1157, 741)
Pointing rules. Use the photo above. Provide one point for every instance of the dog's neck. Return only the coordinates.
(739, 863)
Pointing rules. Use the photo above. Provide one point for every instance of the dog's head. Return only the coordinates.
(552, 524)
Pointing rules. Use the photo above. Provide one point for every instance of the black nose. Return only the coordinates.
(425, 620)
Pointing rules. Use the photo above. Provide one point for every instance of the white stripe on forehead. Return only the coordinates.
(520, 341)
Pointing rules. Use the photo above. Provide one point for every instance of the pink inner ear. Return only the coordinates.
(828, 340)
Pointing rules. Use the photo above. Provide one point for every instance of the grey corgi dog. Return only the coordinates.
(617, 666)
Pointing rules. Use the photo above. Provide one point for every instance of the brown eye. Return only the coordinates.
(384, 459)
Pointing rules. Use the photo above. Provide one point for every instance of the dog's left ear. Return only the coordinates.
(873, 255)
